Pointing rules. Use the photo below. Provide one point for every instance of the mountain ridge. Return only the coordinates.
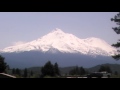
(57, 40)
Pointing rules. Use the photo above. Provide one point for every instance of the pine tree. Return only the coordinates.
(31, 73)
(108, 69)
(56, 69)
(105, 68)
(13, 71)
(48, 69)
(82, 71)
(117, 30)
(75, 71)
(116, 73)
(3, 65)
(25, 73)
(18, 72)
(8, 67)
(102, 69)
(72, 72)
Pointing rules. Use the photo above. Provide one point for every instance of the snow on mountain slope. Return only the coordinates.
(65, 43)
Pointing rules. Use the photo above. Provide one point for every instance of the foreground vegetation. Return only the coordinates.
(75, 72)
(50, 70)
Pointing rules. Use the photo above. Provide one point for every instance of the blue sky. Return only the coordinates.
(27, 26)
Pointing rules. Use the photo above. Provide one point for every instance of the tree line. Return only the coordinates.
(78, 71)
(49, 69)
(22, 73)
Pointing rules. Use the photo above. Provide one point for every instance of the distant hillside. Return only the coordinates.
(65, 70)
(36, 70)
(113, 67)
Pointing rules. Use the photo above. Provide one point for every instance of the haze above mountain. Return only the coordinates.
(57, 40)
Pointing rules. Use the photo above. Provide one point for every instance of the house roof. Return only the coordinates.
(6, 75)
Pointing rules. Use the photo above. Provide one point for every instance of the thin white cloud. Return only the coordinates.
(18, 43)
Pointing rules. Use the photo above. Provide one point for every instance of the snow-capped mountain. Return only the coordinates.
(57, 40)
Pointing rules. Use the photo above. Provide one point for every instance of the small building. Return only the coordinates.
(4, 75)
(106, 74)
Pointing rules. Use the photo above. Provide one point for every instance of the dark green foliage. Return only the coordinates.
(117, 57)
(48, 69)
(56, 69)
(108, 69)
(116, 73)
(25, 73)
(77, 71)
(31, 73)
(18, 72)
(105, 68)
(116, 45)
(102, 68)
(8, 67)
(113, 67)
(82, 71)
(117, 30)
(3, 65)
(13, 71)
